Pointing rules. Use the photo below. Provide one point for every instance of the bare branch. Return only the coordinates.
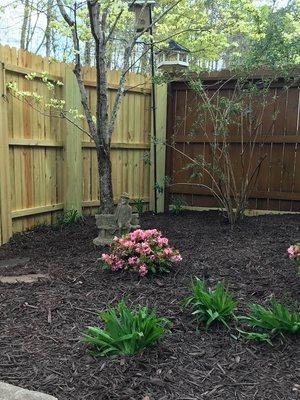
(78, 69)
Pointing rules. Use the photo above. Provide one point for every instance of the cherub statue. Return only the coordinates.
(123, 214)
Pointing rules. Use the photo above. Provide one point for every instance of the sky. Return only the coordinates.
(11, 21)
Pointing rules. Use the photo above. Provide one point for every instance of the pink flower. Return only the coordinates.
(176, 258)
(126, 243)
(138, 248)
(152, 233)
(146, 248)
(120, 264)
(168, 251)
(108, 259)
(105, 257)
(133, 261)
(162, 241)
(294, 251)
(143, 270)
(117, 264)
(136, 235)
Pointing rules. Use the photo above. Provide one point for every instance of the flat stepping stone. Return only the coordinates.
(14, 262)
(11, 392)
(30, 278)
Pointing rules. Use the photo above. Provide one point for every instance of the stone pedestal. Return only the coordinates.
(108, 228)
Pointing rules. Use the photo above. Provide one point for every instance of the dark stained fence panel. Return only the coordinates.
(278, 184)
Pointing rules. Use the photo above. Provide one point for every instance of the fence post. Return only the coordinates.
(73, 170)
(5, 194)
(161, 127)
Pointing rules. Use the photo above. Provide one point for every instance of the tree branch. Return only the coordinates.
(78, 69)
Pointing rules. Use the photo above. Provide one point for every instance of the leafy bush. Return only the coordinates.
(141, 251)
(210, 305)
(139, 205)
(277, 319)
(177, 205)
(126, 331)
(69, 217)
(294, 254)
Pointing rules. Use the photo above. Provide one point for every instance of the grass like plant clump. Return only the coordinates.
(69, 217)
(177, 205)
(209, 305)
(126, 331)
(139, 205)
(276, 319)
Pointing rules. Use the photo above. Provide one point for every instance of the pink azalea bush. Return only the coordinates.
(142, 251)
(294, 254)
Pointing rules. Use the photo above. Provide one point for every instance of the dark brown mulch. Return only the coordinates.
(41, 323)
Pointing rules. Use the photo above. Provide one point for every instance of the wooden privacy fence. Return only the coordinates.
(46, 163)
(278, 184)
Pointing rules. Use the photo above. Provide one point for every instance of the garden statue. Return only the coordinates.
(123, 214)
(117, 224)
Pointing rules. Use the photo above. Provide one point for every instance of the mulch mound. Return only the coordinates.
(41, 323)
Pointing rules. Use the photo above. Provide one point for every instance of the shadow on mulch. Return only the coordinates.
(41, 323)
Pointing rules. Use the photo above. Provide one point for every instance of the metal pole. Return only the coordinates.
(153, 112)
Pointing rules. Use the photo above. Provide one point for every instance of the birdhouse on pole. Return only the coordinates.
(174, 57)
(142, 10)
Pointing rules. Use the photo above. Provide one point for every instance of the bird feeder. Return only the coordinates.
(173, 57)
(142, 10)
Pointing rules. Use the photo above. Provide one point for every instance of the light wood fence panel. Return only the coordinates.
(46, 164)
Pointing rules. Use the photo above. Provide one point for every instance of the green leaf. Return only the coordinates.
(209, 305)
(126, 331)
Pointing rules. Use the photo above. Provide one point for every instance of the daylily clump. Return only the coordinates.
(294, 253)
(142, 251)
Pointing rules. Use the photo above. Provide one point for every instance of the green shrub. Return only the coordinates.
(277, 319)
(69, 217)
(209, 305)
(139, 206)
(126, 331)
(177, 205)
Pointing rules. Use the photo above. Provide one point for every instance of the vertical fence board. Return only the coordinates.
(5, 195)
(72, 147)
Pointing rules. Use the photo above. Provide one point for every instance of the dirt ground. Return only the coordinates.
(41, 323)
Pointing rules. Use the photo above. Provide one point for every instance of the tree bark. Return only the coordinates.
(48, 28)
(105, 181)
(103, 134)
(24, 28)
(87, 53)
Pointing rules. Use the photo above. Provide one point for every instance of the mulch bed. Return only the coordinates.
(41, 323)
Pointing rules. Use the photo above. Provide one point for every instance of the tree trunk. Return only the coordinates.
(48, 28)
(103, 132)
(105, 181)
(145, 61)
(24, 28)
(87, 53)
